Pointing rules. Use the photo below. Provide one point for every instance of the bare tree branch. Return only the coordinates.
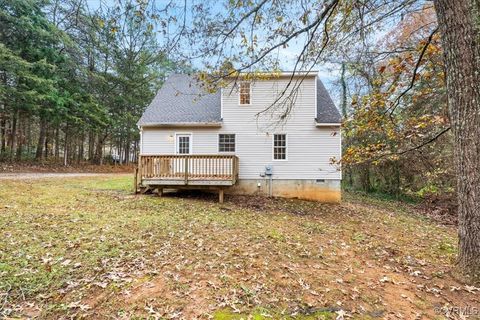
(392, 108)
(417, 147)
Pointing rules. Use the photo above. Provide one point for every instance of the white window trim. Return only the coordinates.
(286, 147)
(190, 147)
(240, 90)
(218, 144)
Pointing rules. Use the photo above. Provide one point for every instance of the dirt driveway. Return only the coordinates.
(43, 175)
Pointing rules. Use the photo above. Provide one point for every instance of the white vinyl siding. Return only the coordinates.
(309, 148)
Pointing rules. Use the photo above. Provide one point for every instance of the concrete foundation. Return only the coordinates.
(318, 190)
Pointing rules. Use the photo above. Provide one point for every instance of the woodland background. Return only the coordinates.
(75, 79)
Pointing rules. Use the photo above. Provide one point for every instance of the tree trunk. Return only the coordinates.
(65, 147)
(3, 121)
(3, 134)
(365, 178)
(13, 135)
(41, 139)
(29, 136)
(344, 91)
(98, 158)
(91, 146)
(350, 177)
(127, 150)
(21, 136)
(460, 29)
(135, 151)
(120, 153)
(57, 143)
(81, 148)
(47, 142)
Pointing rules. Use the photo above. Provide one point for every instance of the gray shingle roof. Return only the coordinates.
(326, 110)
(182, 100)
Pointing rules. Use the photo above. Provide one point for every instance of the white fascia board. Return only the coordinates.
(327, 124)
(183, 124)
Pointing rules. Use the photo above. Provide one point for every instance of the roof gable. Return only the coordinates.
(327, 112)
(181, 99)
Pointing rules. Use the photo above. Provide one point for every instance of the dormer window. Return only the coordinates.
(245, 92)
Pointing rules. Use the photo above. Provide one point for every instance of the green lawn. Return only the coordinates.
(88, 247)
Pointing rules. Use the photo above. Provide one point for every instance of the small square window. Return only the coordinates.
(279, 147)
(226, 143)
(245, 93)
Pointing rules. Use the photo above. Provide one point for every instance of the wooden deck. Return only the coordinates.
(186, 171)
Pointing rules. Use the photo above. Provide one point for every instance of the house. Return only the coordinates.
(227, 140)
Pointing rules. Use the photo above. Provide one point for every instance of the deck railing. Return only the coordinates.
(187, 168)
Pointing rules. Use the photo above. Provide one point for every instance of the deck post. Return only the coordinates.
(220, 195)
(140, 170)
(186, 170)
(159, 191)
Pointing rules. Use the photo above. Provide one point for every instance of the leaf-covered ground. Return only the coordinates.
(86, 247)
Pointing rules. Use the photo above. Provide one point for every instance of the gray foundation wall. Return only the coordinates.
(319, 190)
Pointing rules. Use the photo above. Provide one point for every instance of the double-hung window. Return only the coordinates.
(226, 143)
(280, 146)
(245, 93)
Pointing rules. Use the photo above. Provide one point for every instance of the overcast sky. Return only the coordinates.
(329, 73)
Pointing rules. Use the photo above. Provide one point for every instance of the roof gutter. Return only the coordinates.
(182, 124)
(273, 74)
(327, 124)
(297, 73)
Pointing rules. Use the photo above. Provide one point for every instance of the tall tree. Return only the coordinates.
(396, 116)
(27, 35)
(71, 75)
(249, 36)
(459, 23)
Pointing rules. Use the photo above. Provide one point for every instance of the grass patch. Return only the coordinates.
(264, 314)
(84, 246)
